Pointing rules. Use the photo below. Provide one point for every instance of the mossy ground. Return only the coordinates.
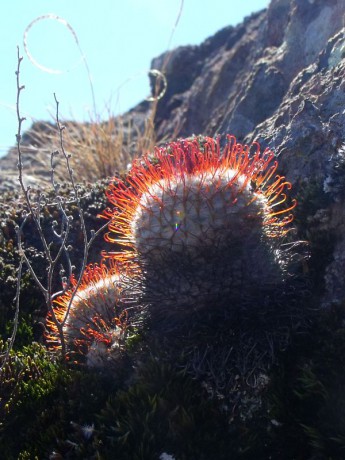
(154, 407)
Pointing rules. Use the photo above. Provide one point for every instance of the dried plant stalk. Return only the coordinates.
(58, 260)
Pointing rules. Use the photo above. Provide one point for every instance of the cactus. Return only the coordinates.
(95, 316)
(200, 227)
(204, 222)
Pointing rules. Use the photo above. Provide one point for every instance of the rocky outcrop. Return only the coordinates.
(278, 78)
(238, 78)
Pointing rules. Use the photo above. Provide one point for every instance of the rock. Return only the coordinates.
(281, 81)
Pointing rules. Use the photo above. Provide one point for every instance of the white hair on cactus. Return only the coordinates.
(180, 214)
(187, 194)
(94, 316)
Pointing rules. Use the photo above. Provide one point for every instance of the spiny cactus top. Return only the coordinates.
(194, 193)
(93, 316)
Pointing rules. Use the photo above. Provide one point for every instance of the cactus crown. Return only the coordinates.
(185, 195)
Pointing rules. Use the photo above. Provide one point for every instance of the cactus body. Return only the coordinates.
(204, 222)
(200, 227)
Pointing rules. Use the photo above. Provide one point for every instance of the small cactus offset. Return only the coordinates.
(95, 315)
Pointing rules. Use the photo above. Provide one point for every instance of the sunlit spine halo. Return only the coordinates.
(191, 189)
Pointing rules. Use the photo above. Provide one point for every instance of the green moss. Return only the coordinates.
(42, 399)
(321, 239)
(163, 411)
(307, 398)
(139, 414)
(24, 335)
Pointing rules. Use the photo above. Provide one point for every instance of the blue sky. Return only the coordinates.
(118, 39)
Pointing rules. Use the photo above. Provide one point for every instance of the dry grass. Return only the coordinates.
(98, 148)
